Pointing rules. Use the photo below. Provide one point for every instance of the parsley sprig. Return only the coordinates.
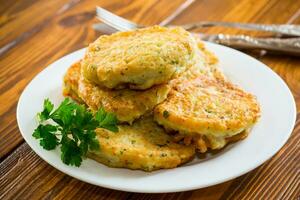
(72, 128)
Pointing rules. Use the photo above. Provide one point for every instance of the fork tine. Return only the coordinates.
(108, 18)
(104, 28)
(114, 20)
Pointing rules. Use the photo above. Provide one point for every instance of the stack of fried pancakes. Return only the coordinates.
(168, 94)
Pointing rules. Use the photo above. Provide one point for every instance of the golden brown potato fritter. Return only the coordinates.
(127, 104)
(143, 145)
(140, 58)
(204, 106)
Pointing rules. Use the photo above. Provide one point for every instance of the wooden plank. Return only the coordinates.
(239, 11)
(23, 175)
(19, 20)
(64, 33)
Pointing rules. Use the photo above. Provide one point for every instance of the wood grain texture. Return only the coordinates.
(63, 33)
(35, 33)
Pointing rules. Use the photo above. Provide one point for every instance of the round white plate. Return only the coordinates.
(266, 138)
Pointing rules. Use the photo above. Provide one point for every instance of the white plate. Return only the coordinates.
(266, 138)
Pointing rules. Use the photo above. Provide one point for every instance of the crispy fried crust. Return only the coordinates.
(203, 143)
(205, 106)
(71, 78)
(211, 70)
(141, 58)
(209, 67)
(128, 105)
(144, 145)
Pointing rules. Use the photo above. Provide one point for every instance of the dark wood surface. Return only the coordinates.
(35, 33)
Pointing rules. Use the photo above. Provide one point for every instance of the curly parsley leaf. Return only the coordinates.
(46, 134)
(70, 152)
(64, 113)
(90, 137)
(107, 120)
(74, 130)
(48, 107)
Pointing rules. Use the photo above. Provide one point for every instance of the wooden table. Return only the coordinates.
(34, 33)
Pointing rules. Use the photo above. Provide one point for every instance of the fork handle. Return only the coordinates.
(285, 29)
(289, 46)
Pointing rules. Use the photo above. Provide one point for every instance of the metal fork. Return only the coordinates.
(290, 46)
(284, 29)
(115, 21)
(121, 24)
(287, 46)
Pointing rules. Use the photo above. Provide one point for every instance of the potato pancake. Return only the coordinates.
(207, 107)
(127, 104)
(140, 58)
(143, 145)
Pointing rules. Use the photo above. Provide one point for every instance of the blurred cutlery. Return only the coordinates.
(287, 45)
(121, 24)
(283, 45)
(284, 29)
